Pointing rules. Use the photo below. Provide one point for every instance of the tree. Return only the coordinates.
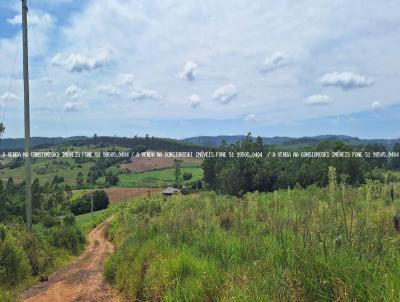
(79, 180)
(3, 203)
(112, 179)
(178, 173)
(37, 198)
(395, 162)
(376, 161)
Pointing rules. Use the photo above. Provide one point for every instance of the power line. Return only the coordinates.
(50, 82)
(11, 78)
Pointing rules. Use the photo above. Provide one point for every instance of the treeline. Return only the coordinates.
(48, 201)
(142, 143)
(236, 176)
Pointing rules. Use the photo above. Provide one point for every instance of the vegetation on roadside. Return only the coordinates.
(317, 244)
(25, 257)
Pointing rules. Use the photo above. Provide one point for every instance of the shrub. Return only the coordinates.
(112, 179)
(49, 221)
(68, 237)
(14, 264)
(187, 176)
(83, 205)
(69, 220)
(39, 260)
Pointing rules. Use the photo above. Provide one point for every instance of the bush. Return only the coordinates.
(112, 179)
(38, 259)
(14, 264)
(68, 237)
(187, 176)
(58, 179)
(83, 205)
(69, 220)
(49, 221)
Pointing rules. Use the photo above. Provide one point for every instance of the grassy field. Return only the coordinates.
(46, 169)
(157, 178)
(86, 222)
(332, 244)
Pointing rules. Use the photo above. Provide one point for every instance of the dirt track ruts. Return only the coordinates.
(83, 279)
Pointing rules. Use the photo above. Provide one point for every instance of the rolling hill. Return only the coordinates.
(215, 141)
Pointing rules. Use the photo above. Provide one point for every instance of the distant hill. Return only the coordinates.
(215, 141)
(188, 144)
(13, 144)
(154, 143)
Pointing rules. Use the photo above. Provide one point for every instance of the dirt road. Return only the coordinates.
(83, 279)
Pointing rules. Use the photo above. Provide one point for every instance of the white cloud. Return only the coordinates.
(144, 94)
(376, 105)
(190, 71)
(74, 106)
(276, 61)
(225, 94)
(194, 100)
(251, 118)
(109, 90)
(230, 44)
(33, 19)
(126, 79)
(346, 80)
(81, 62)
(318, 99)
(74, 91)
(8, 97)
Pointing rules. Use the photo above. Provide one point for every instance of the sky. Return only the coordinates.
(178, 69)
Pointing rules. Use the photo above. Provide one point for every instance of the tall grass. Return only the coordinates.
(330, 244)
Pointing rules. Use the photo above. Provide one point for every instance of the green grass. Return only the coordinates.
(330, 244)
(157, 178)
(46, 169)
(87, 222)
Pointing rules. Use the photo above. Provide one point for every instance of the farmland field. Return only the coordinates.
(157, 178)
(121, 194)
(142, 164)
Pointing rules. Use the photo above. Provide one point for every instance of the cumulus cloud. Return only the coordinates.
(8, 97)
(251, 118)
(194, 100)
(346, 80)
(76, 62)
(74, 106)
(144, 94)
(126, 79)
(74, 91)
(276, 61)
(109, 90)
(190, 71)
(225, 94)
(318, 99)
(44, 19)
(376, 105)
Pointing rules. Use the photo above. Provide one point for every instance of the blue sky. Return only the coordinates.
(185, 68)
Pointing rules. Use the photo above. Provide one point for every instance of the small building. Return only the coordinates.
(170, 191)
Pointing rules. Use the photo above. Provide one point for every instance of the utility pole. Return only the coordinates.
(91, 195)
(28, 179)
